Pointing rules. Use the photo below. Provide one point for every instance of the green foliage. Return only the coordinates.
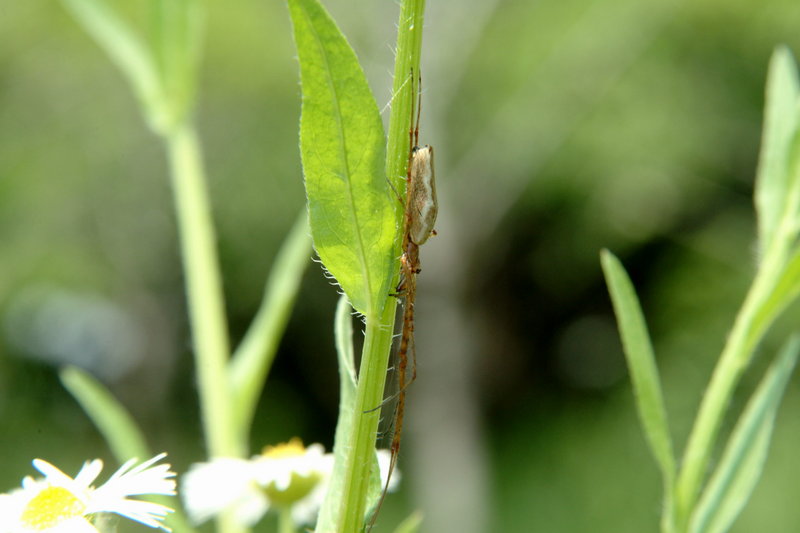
(741, 464)
(253, 359)
(164, 80)
(774, 203)
(330, 514)
(117, 426)
(410, 524)
(355, 220)
(641, 361)
(776, 284)
(351, 211)
(124, 47)
(123, 436)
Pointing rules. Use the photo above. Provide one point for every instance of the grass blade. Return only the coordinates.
(351, 209)
(343, 328)
(109, 416)
(742, 462)
(118, 428)
(410, 524)
(126, 50)
(254, 356)
(641, 363)
(780, 124)
(785, 292)
(177, 39)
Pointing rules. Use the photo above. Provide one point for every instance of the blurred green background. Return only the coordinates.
(560, 127)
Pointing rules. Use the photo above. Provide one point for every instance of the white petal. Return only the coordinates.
(148, 513)
(384, 460)
(224, 483)
(74, 525)
(52, 473)
(306, 510)
(143, 479)
(249, 509)
(89, 472)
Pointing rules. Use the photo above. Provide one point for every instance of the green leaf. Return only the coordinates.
(118, 428)
(177, 43)
(742, 462)
(786, 289)
(127, 51)
(410, 524)
(329, 515)
(351, 208)
(253, 358)
(110, 417)
(642, 365)
(780, 125)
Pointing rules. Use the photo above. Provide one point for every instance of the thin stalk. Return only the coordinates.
(369, 395)
(378, 339)
(204, 290)
(749, 328)
(285, 520)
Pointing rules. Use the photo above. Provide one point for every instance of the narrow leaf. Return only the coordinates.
(330, 514)
(118, 428)
(253, 358)
(343, 329)
(125, 49)
(177, 39)
(642, 365)
(780, 124)
(110, 417)
(783, 294)
(351, 210)
(743, 459)
(410, 524)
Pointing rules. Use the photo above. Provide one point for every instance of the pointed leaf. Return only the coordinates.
(410, 524)
(743, 460)
(329, 515)
(253, 358)
(343, 328)
(786, 290)
(126, 49)
(119, 429)
(351, 210)
(111, 418)
(780, 125)
(642, 365)
(177, 39)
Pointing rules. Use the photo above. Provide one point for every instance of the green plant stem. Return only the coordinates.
(204, 290)
(750, 326)
(407, 59)
(378, 339)
(369, 395)
(285, 521)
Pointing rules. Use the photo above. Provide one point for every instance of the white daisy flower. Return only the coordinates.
(284, 476)
(60, 504)
(223, 484)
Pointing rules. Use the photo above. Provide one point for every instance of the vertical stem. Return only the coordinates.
(407, 59)
(378, 339)
(285, 520)
(204, 290)
(369, 395)
(750, 326)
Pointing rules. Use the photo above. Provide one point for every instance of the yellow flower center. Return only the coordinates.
(293, 448)
(300, 485)
(50, 507)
